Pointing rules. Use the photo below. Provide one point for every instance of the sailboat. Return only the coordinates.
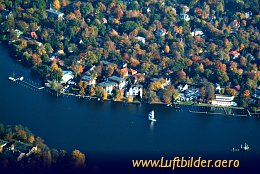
(151, 116)
(245, 148)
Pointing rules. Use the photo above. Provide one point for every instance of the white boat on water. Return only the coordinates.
(245, 148)
(21, 78)
(12, 79)
(151, 116)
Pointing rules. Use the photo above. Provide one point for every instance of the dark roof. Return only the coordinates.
(116, 79)
(87, 78)
(106, 84)
(22, 147)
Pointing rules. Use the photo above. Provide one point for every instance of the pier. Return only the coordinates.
(21, 80)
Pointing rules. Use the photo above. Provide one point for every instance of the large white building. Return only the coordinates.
(223, 100)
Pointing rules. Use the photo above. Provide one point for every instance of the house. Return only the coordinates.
(67, 75)
(106, 63)
(161, 32)
(124, 72)
(89, 79)
(137, 78)
(197, 32)
(34, 35)
(18, 33)
(235, 24)
(141, 39)
(234, 54)
(185, 17)
(218, 88)
(121, 83)
(135, 90)
(256, 97)
(21, 150)
(182, 87)
(3, 143)
(132, 72)
(104, 20)
(186, 9)
(55, 14)
(223, 100)
(108, 86)
(248, 14)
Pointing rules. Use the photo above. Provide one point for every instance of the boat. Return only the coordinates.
(12, 78)
(21, 78)
(151, 116)
(245, 148)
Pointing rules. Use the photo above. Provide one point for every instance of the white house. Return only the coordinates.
(185, 17)
(54, 13)
(108, 86)
(197, 32)
(119, 81)
(135, 90)
(223, 100)
(182, 88)
(67, 75)
(141, 39)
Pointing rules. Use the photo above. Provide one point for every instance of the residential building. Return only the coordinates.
(138, 78)
(67, 75)
(197, 32)
(2, 143)
(234, 54)
(183, 87)
(108, 86)
(121, 82)
(161, 32)
(256, 97)
(223, 100)
(124, 72)
(135, 90)
(141, 39)
(55, 14)
(185, 17)
(89, 79)
(21, 150)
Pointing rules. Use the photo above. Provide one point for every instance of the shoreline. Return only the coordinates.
(196, 108)
(201, 108)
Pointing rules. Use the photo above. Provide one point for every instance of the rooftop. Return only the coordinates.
(53, 11)
(115, 78)
(107, 84)
(87, 78)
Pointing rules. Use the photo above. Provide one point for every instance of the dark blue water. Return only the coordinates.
(108, 129)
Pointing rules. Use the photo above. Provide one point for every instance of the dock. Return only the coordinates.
(21, 80)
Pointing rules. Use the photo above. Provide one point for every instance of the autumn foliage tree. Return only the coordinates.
(56, 4)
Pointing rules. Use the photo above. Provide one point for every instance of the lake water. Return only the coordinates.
(105, 130)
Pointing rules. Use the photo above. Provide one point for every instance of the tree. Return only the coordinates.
(90, 58)
(56, 4)
(77, 68)
(130, 98)
(31, 139)
(78, 159)
(86, 8)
